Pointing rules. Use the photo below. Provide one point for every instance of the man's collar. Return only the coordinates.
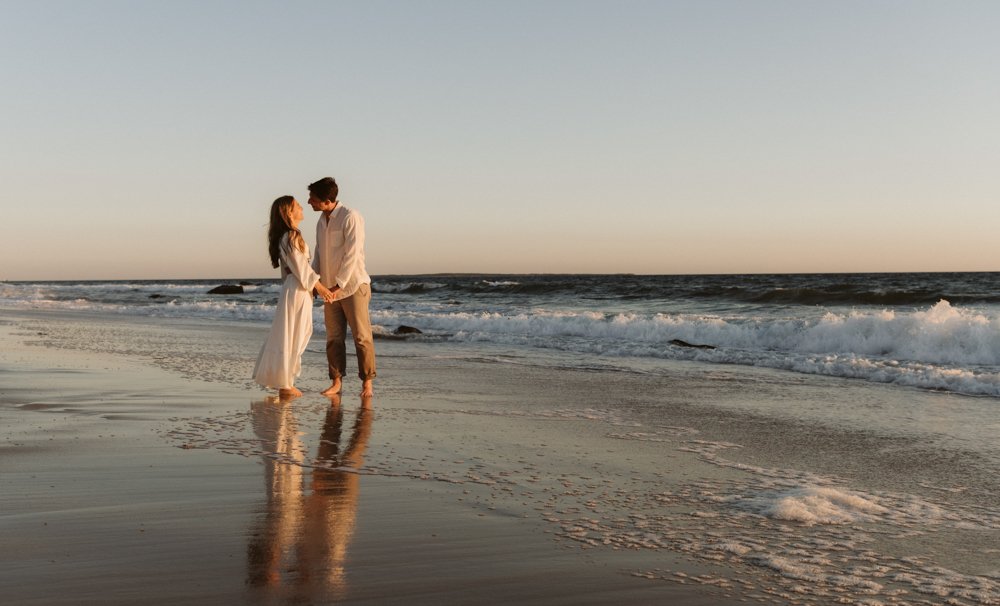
(329, 214)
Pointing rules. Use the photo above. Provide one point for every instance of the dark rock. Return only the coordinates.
(249, 284)
(227, 289)
(155, 296)
(680, 343)
(401, 333)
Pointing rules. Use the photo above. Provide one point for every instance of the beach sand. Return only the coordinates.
(139, 465)
(111, 496)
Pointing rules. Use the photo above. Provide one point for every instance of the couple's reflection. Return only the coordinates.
(300, 543)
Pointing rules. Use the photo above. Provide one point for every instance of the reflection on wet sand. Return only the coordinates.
(300, 543)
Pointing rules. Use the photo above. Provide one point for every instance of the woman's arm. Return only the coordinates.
(298, 265)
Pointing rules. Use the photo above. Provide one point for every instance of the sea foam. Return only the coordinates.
(943, 347)
(940, 347)
(815, 505)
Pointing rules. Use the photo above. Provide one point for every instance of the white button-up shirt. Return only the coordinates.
(340, 251)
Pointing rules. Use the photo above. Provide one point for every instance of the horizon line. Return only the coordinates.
(470, 274)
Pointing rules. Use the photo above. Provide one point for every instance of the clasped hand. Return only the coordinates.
(324, 292)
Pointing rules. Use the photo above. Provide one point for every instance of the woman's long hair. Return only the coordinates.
(281, 224)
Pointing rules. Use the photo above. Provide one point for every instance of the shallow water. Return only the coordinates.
(795, 488)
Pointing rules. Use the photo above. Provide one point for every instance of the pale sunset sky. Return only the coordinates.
(147, 139)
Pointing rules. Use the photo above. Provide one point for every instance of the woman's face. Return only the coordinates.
(296, 213)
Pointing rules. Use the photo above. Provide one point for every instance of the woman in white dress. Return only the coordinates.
(280, 360)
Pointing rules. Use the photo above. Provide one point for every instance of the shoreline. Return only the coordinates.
(527, 482)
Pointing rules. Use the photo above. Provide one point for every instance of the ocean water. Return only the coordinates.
(935, 331)
(850, 421)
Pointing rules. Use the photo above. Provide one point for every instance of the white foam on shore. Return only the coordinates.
(815, 505)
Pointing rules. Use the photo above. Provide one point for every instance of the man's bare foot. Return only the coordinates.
(334, 388)
(367, 390)
(289, 392)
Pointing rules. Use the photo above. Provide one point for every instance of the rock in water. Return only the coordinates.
(401, 333)
(680, 343)
(227, 289)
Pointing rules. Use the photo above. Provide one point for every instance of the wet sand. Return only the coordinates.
(137, 464)
(112, 492)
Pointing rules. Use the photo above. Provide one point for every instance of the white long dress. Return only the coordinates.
(280, 360)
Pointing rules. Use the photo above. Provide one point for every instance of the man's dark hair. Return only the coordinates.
(324, 189)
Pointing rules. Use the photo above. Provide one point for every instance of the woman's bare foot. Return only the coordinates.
(367, 390)
(334, 388)
(289, 392)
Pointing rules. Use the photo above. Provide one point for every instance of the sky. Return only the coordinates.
(147, 140)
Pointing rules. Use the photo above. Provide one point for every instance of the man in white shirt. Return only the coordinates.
(340, 262)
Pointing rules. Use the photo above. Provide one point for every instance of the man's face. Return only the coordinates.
(319, 205)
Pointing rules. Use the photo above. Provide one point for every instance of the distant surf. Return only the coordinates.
(930, 331)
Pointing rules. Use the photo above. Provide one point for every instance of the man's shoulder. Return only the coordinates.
(352, 214)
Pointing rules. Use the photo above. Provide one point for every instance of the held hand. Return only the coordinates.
(324, 292)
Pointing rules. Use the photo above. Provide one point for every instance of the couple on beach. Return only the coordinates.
(337, 274)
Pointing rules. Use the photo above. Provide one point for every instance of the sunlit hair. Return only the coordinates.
(281, 224)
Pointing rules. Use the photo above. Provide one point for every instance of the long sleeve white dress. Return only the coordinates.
(280, 360)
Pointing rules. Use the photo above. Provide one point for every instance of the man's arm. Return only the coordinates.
(354, 244)
(315, 259)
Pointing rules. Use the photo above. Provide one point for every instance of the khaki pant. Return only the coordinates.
(353, 312)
